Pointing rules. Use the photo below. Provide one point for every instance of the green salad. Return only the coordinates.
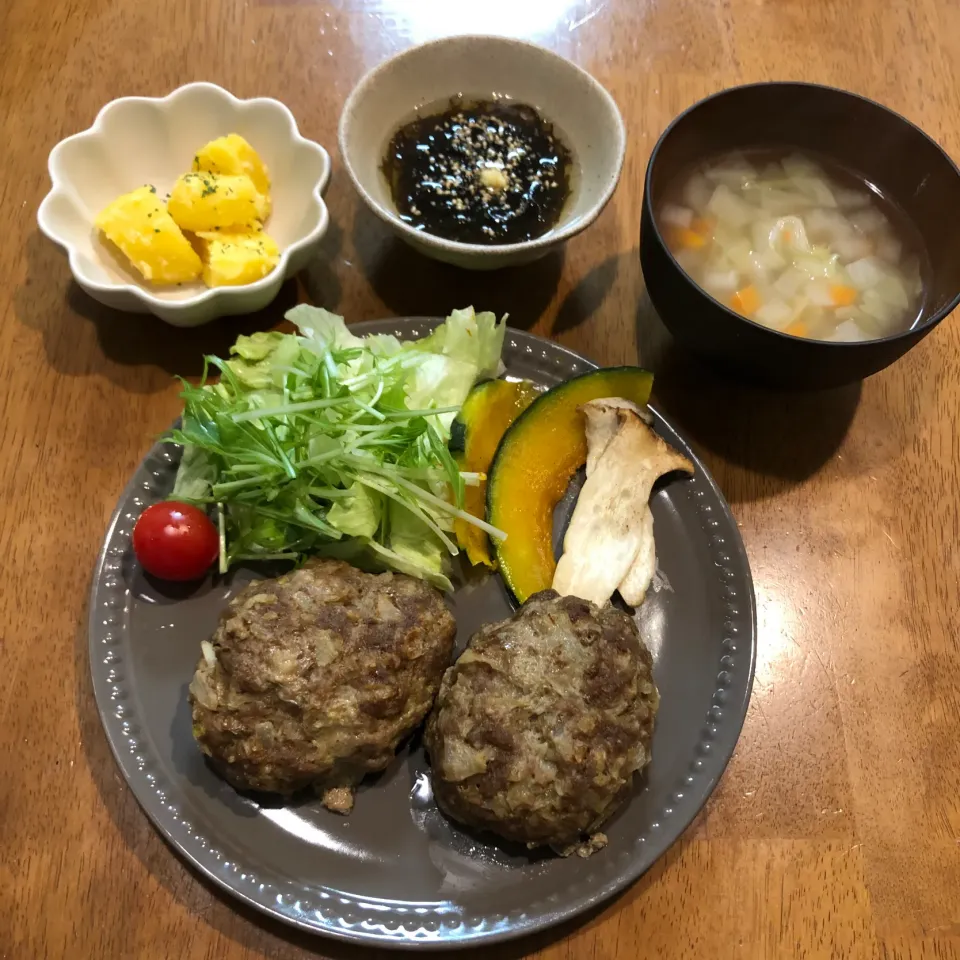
(325, 443)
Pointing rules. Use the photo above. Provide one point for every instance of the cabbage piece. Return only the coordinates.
(736, 173)
(780, 202)
(797, 165)
(820, 262)
(790, 233)
(729, 209)
(870, 221)
(789, 282)
(761, 231)
(816, 189)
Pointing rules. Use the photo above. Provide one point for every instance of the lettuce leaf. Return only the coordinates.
(357, 515)
(321, 441)
(256, 358)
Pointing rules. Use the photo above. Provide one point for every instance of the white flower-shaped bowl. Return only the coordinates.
(138, 140)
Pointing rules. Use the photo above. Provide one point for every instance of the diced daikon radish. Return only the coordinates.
(871, 325)
(865, 273)
(768, 260)
(738, 253)
(818, 292)
(721, 281)
(690, 260)
(759, 271)
(892, 291)
(697, 192)
(775, 313)
(676, 215)
(728, 208)
(875, 306)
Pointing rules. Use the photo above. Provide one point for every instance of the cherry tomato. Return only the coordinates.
(175, 541)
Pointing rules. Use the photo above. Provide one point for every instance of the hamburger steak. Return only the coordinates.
(315, 678)
(541, 724)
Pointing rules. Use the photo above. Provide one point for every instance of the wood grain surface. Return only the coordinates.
(836, 831)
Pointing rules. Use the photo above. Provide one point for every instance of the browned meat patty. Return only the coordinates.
(541, 724)
(315, 678)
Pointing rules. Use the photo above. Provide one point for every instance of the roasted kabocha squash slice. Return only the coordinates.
(533, 465)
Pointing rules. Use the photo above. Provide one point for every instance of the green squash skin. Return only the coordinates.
(609, 384)
(472, 407)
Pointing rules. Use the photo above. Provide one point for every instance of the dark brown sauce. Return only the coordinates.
(487, 171)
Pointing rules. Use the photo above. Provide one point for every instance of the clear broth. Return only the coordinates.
(883, 295)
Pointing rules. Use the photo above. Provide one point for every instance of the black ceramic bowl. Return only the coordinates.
(882, 147)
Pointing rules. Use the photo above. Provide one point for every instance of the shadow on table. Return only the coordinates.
(127, 339)
(412, 285)
(587, 297)
(780, 438)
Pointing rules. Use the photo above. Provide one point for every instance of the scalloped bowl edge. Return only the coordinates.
(207, 304)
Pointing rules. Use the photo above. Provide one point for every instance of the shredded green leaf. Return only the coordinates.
(321, 442)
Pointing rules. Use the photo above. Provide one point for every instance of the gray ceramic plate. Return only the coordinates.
(395, 872)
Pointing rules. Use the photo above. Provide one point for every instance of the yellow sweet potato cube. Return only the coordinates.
(233, 156)
(203, 201)
(139, 225)
(234, 258)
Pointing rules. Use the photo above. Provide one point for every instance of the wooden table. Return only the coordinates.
(836, 829)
